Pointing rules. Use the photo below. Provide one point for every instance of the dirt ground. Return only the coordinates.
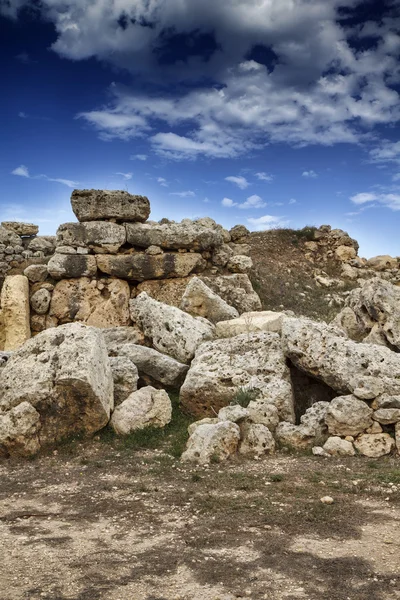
(97, 520)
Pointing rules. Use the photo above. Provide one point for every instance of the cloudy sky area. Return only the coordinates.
(263, 112)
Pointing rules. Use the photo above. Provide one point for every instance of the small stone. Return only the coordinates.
(327, 500)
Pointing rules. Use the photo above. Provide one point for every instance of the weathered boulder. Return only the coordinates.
(152, 365)
(117, 337)
(20, 228)
(323, 352)
(374, 445)
(236, 290)
(67, 266)
(292, 436)
(335, 446)
(311, 430)
(190, 235)
(387, 416)
(346, 415)
(125, 377)
(209, 442)
(100, 303)
(263, 413)
(43, 243)
(382, 262)
(100, 205)
(100, 236)
(250, 322)
(345, 253)
(221, 368)
(141, 266)
(15, 311)
(256, 440)
(9, 238)
(64, 374)
(239, 264)
(239, 234)
(40, 301)
(170, 330)
(147, 407)
(386, 401)
(206, 421)
(234, 413)
(36, 273)
(200, 301)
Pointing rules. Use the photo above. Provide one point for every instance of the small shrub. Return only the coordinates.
(244, 396)
(276, 477)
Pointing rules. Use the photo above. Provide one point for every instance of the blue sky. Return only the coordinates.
(263, 112)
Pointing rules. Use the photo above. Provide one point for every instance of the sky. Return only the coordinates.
(270, 113)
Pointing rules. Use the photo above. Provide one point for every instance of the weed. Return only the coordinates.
(244, 396)
(196, 477)
(276, 477)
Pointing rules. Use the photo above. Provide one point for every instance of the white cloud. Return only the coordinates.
(387, 151)
(116, 124)
(240, 181)
(126, 176)
(253, 202)
(186, 194)
(292, 201)
(141, 157)
(22, 171)
(264, 177)
(207, 200)
(309, 174)
(163, 182)
(267, 222)
(228, 203)
(22, 115)
(391, 201)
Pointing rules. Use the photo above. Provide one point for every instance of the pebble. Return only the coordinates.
(327, 500)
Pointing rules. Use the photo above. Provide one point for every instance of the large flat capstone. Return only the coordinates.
(99, 205)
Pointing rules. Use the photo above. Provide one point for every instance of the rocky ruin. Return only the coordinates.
(98, 323)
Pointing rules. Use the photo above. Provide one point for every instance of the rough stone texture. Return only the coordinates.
(346, 415)
(387, 416)
(382, 262)
(335, 446)
(99, 205)
(36, 273)
(100, 303)
(125, 376)
(239, 234)
(374, 445)
(397, 436)
(141, 266)
(292, 436)
(152, 365)
(117, 337)
(250, 322)
(223, 367)
(234, 413)
(9, 238)
(100, 236)
(239, 264)
(319, 350)
(65, 375)
(206, 421)
(345, 253)
(256, 440)
(170, 330)
(19, 429)
(188, 235)
(67, 266)
(311, 430)
(236, 290)
(386, 401)
(25, 229)
(40, 301)
(41, 322)
(212, 442)
(167, 291)
(200, 301)
(263, 413)
(147, 407)
(15, 311)
(43, 243)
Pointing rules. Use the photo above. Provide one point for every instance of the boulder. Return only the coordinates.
(19, 428)
(167, 291)
(200, 301)
(9, 238)
(43, 243)
(256, 440)
(211, 442)
(323, 352)
(250, 362)
(147, 407)
(239, 234)
(117, 337)
(102, 237)
(335, 446)
(99, 303)
(346, 415)
(141, 266)
(387, 416)
(206, 421)
(236, 290)
(234, 413)
(125, 377)
(374, 445)
(21, 229)
(40, 301)
(345, 253)
(170, 330)
(154, 367)
(250, 322)
(311, 430)
(292, 436)
(15, 311)
(263, 413)
(239, 264)
(386, 401)
(102, 205)
(63, 374)
(67, 266)
(190, 235)
(382, 262)
(36, 273)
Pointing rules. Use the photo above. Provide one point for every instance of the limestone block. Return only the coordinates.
(250, 322)
(100, 236)
(234, 413)
(240, 264)
(102, 205)
(200, 301)
(239, 234)
(209, 442)
(15, 311)
(125, 377)
(236, 290)
(374, 445)
(335, 446)
(147, 407)
(40, 301)
(67, 266)
(191, 235)
(36, 273)
(21, 229)
(141, 266)
(256, 440)
(346, 415)
(382, 262)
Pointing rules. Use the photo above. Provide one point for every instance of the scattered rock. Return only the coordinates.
(327, 500)
(147, 407)
(256, 440)
(374, 445)
(212, 442)
(335, 446)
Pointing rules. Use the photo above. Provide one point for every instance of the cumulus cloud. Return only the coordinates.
(228, 203)
(328, 84)
(309, 174)
(264, 177)
(141, 157)
(391, 201)
(267, 222)
(22, 171)
(253, 202)
(162, 181)
(240, 181)
(185, 194)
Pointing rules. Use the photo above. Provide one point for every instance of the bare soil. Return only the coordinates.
(99, 520)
